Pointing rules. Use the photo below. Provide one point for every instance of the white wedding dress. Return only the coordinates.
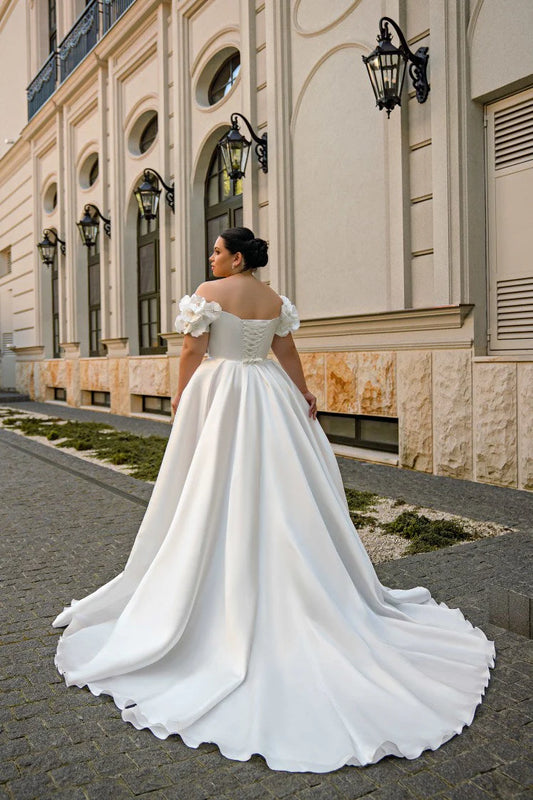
(248, 613)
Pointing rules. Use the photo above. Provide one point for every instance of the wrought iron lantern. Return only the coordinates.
(147, 194)
(387, 65)
(89, 225)
(235, 149)
(48, 247)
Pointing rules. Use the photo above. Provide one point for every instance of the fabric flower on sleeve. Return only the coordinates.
(196, 314)
(289, 319)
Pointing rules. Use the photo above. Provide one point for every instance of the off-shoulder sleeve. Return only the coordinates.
(196, 314)
(289, 319)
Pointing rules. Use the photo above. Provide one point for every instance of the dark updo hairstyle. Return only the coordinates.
(241, 240)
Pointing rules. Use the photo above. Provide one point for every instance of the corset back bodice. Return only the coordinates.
(237, 339)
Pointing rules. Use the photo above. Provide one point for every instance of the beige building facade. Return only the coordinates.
(404, 242)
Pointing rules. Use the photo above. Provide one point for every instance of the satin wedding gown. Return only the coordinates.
(248, 613)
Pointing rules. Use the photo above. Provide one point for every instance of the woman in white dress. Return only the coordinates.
(248, 613)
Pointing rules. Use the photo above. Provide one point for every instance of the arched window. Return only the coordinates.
(148, 286)
(223, 203)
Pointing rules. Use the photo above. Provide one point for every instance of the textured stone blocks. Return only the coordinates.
(149, 375)
(415, 409)
(512, 610)
(452, 413)
(495, 423)
(358, 382)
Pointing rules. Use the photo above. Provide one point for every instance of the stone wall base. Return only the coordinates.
(459, 416)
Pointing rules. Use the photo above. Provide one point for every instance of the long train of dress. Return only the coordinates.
(248, 613)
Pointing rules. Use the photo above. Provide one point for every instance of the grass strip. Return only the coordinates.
(141, 454)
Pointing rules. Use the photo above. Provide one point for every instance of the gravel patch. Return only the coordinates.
(382, 546)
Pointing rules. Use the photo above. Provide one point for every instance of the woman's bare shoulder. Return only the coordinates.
(208, 289)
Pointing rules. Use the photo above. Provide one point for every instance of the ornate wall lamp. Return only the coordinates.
(387, 64)
(147, 194)
(235, 149)
(48, 247)
(89, 225)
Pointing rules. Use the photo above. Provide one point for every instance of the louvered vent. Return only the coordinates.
(513, 135)
(515, 308)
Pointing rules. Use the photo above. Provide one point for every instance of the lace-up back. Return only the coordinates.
(230, 336)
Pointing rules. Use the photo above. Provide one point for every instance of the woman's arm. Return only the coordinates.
(285, 351)
(192, 353)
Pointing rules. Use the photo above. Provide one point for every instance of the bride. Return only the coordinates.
(248, 613)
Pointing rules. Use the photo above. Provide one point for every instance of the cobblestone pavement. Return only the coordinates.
(67, 527)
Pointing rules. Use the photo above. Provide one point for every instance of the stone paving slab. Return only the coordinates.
(67, 527)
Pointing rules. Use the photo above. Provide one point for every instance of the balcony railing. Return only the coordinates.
(79, 41)
(42, 86)
(97, 18)
(113, 9)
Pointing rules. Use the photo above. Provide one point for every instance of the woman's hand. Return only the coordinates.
(175, 403)
(311, 399)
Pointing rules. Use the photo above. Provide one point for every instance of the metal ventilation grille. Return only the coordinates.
(515, 308)
(513, 135)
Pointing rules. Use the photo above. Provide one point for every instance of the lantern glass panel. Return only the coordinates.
(148, 201)
(88, 232)
(244, 158)
(47, 250)
(373, 67)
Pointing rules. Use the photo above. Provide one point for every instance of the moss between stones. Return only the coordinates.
(426, 534)
(360, 501)
(142, 454)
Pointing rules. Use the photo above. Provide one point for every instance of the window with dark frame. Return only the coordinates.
(148, 286)
(52, 26)
(95, 322)
(149, 134)
(361, 430)
(101, 399)
(60, 394)
(223, 203)
(224, 78)
(93, 173)
(156, 405)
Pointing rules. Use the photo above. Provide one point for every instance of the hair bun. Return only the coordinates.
(242, 240)
(257, 253)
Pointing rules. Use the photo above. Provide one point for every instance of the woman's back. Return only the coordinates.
(244, 296)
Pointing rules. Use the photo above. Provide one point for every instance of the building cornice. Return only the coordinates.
(389, 330)
(410, 319)
(32, 353)
(14, 158)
